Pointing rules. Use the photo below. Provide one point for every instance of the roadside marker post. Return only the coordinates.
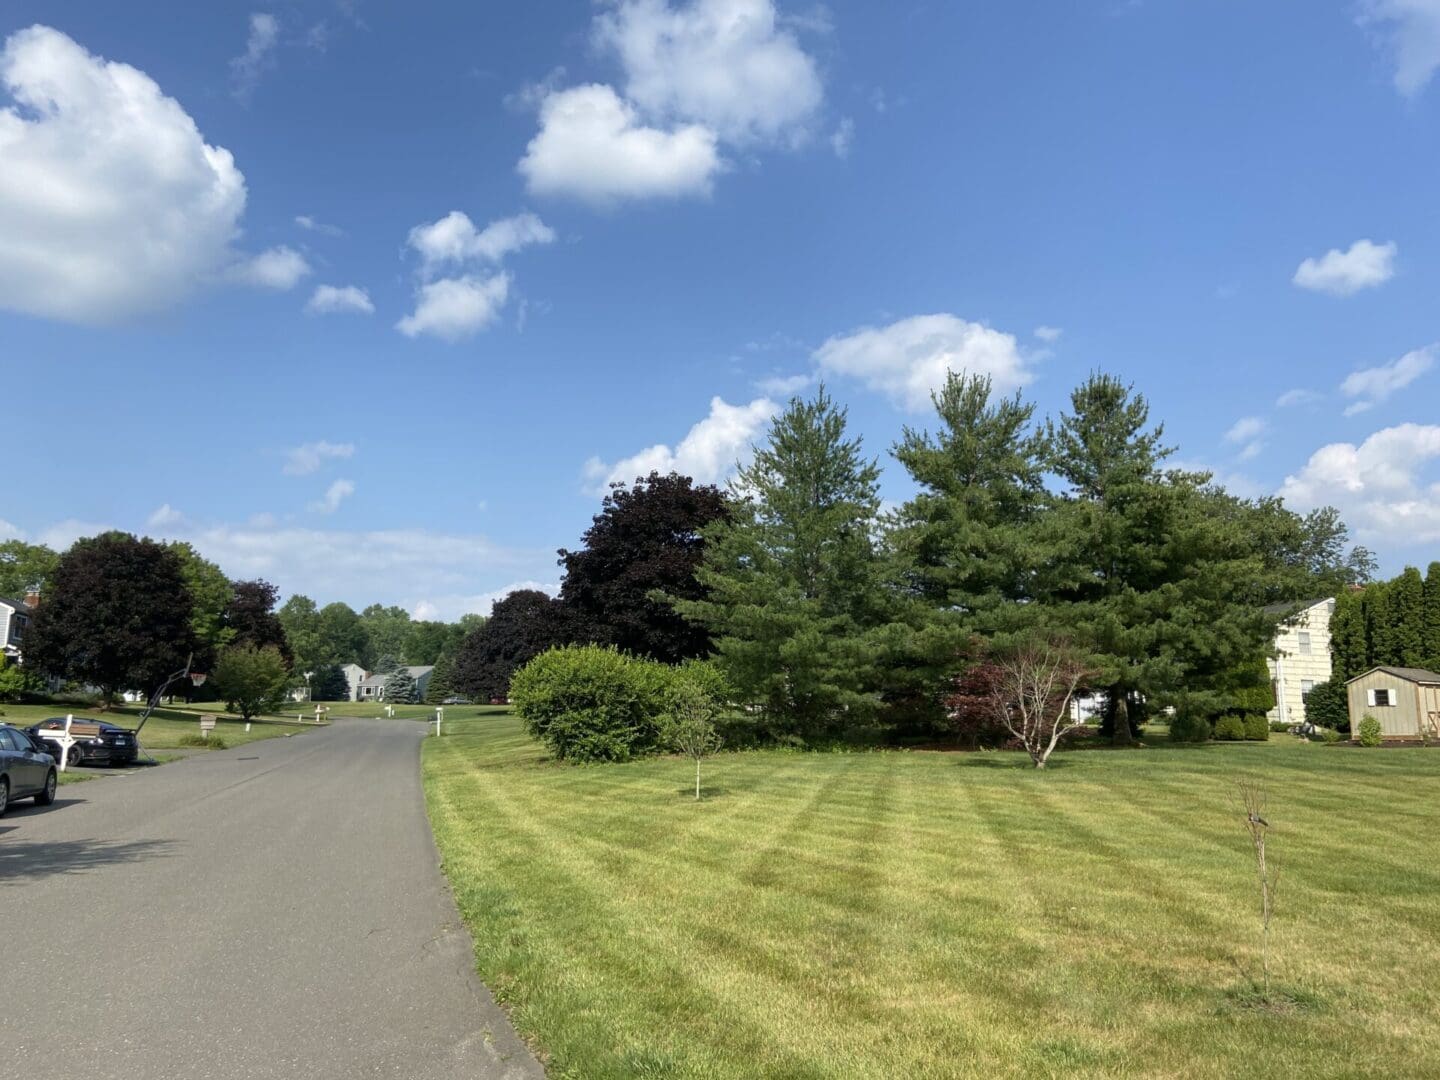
(207, 725)
(66, 741)
(439, 715)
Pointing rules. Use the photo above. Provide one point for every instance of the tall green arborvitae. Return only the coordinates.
(1407, 614)
(1348, 653)
(1432, 616)
(1381, 626)
(796, 606)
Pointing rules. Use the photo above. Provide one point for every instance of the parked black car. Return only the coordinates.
(99, 743)
(26, 768)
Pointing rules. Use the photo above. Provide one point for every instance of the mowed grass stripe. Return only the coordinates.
(908, 914)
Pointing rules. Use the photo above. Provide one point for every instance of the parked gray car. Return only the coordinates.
(26, 769)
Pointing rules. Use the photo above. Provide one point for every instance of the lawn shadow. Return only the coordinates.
(26, 861)
(706, 792)
(1011, 761)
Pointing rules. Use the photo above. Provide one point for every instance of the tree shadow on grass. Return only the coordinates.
(24, 861)
(706, 792)
(1013, 762)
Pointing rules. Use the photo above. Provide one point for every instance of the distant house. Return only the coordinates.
(1405, 700)
(14, 621)
(354, 675)
(372, 687)
(1302, 656)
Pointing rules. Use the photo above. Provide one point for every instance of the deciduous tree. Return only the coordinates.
(117, 614)
(521, 626)
(643, 546)
(25, 568)
(252, 619)
(251, 680)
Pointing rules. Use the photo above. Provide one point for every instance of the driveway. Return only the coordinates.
(275, 910)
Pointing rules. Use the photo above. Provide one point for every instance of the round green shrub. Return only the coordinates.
(1371, 733)
(588, 703)
(1257, 728)
(1189, 726)
(1230, 728)
(1328, 735)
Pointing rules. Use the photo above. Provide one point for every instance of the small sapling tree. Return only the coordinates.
(689, 726)
(1031, 690)
(1252, 798)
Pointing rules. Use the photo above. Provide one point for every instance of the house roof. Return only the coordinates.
(18, 605)
(378, 679)
(1293, 607)
(1410, 674)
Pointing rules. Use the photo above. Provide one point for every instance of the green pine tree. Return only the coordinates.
(400, 688)
(439, 687)
(796, 604)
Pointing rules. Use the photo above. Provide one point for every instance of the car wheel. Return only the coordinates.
(75, 757)
(4, 795)
(46, 797)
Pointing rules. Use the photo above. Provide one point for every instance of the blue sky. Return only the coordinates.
(371, 299)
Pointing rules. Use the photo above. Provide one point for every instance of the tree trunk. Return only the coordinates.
(1120, 736)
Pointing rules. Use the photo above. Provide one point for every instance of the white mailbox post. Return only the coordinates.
(66, 741)
(319, 714)
(439, 715)
(207, 725)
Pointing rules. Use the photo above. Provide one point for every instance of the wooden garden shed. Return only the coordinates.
(1405, 700)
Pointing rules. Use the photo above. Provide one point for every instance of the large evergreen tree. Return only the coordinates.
(441, 684)
(1407, 615)
(1147, 568)
(643, 546)
(117, 614)
(1432, 616)
(400, 688)
(1349, 651)
(796, 599)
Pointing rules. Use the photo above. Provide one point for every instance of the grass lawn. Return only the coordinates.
(166, 726)
(913, 914)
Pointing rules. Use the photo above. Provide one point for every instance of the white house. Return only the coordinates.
(354, 675)
(14, 621)
(372, 687)
(1302, 656)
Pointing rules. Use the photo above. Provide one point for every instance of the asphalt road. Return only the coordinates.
(275, 910)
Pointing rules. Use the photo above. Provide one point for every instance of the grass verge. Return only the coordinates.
(928, 914)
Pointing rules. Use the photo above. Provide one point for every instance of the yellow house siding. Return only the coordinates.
(1293, 666)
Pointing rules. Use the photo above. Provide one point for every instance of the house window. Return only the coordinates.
(1306, 685)
(1304, 637)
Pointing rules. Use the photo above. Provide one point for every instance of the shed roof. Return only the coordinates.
(1410, 674)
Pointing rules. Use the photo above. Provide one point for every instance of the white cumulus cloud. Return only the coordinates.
(111, 202)
(1374, 385)
(727, 64)
(1410, 32)
(1376, 485)
(456, 308)
(164, 515)
(908, 360)
(308, 457)
(454, 238)
(1365, 265)
(339, 300)
(708, 453)
(593, 146)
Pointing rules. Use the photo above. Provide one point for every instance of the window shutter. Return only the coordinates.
(1370, 697)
